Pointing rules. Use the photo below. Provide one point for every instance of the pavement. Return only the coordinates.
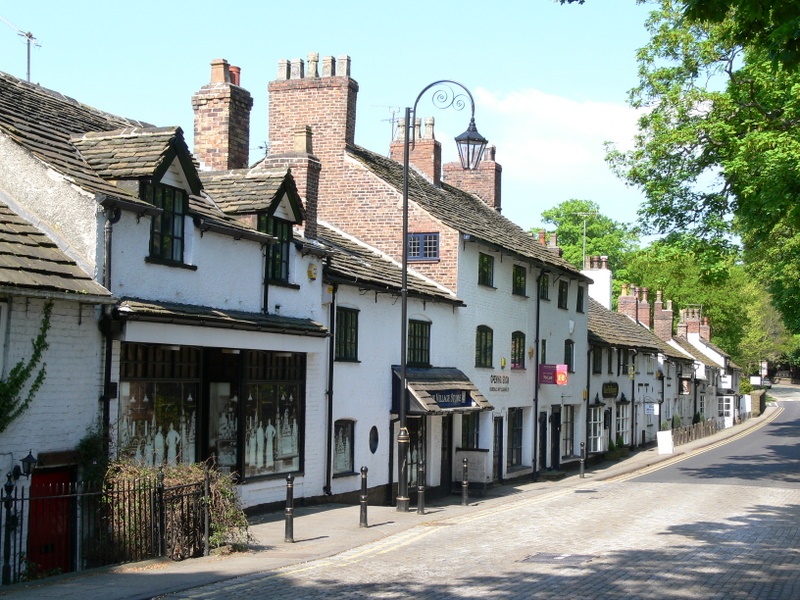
(325, 530)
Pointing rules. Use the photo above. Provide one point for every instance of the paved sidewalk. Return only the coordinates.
(325, 530)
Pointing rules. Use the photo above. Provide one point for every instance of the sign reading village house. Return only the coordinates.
(451, 398)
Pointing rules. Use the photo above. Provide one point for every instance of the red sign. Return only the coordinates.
(553, 374)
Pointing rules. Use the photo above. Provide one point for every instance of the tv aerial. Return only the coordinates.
(30, 39)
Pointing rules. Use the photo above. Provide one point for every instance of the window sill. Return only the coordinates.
(284, 284)
(347, 360)
(424, 260)
(520, 296)
(345, 474)
(488, 286)
(153, 260)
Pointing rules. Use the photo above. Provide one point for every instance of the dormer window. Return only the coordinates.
(278, 253)
(167, 229)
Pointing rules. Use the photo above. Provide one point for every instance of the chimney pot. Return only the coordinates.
(429, 129)
(313, 62)
(542, 237)
(219, 70)
(284, 70)
(235, 74)
(297, 69)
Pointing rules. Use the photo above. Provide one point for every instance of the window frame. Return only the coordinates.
(344, 456)
(346, 342)
(470, 430)
(563, 294)
(278, 254)
(580, 300)
(597, 361)
(568, 431)
(544, 287)
(169, 226)
(543, 352)
(623, 423)
(596, 429)
(519, 281)
(423, 246)
(484, 342)
(517, 350)
(515, 430)
(485, 269)
(569, 355)
(418, 352)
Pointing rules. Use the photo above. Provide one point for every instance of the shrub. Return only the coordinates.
(611, 446)
(676, 421)
(620, 441)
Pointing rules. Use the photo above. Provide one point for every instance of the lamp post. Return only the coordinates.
(471, 145)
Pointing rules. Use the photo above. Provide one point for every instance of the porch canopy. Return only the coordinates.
(438, 391)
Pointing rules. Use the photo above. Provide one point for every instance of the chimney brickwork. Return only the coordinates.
(643, 308)
(662, 317)
(626, 304)
(222, 120)
(425, 154)
(484, 181)
(705, 329)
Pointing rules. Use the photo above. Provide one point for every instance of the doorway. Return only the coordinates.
(446, 478)
(555, 438)
(542, 458)
(497, 450)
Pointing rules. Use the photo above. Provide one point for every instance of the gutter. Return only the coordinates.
(537, 346)
(329, 434)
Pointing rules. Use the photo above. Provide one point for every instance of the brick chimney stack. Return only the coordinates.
(325, 102)
(692, 320)
(643, 308)
(626, 304)
(484, 181)
(662, 317)
(425, 152)
(222, 120)
(705, 330)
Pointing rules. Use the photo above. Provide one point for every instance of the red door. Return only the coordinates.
(49, 523)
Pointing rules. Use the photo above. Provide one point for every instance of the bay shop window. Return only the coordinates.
(182, 404)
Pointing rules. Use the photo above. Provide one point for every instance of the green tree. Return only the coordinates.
(12, 400)
(603, 236)
(718, 149)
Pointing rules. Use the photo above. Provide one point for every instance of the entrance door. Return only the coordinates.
(542, 458)
(446, 482)
(555, 438)
(497, 450)
(49, 522)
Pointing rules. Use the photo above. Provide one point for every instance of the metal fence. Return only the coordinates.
(684, 435)
(60, 528)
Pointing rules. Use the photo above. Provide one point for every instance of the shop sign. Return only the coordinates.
(553, 374)
(610, 389)
(451, 398)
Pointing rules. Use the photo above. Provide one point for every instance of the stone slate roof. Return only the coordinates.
(247, 191)
(690, 349)
(353, 262)
(128, 153)
(29, 260)
(463, 211)
(184, 314)
(42, 122)
(86, 146)
(615, 329)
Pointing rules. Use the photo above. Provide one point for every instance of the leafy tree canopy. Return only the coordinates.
(718, 149)
(603, 236)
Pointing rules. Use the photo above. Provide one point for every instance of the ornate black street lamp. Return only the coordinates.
(471, 145)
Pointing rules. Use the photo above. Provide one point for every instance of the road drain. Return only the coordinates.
(561, 559)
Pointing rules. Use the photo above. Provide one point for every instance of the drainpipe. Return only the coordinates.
(589, 354)
(537, 342)
(634, 431)
(331, 356)
(112, 216)
(265, 306)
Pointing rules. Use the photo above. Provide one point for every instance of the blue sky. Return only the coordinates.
(549, 81)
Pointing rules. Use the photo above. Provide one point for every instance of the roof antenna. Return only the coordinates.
(29, 38)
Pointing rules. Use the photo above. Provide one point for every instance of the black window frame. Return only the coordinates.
(470, 430)
(168, 227)
(484, 342)
(569, 355)
(423, 246)
(544, 287)
(563, 294)
(580, 301)
(543, 352)
(519, 280)
(518, 350)
(485, 269)
(346, 335)
(279, 253)
(418, 352)
(515, 429)
(344, 455)
(597, 361)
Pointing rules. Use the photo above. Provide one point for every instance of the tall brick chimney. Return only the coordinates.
(425, 153)
(325, 102)
(626, 304)
(643, 308)
(705, 329)
(662, 317)
(222, 120)
(484, 181)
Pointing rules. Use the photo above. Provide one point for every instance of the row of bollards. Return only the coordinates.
(364, 498)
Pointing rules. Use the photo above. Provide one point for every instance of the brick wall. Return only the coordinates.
(484, 182)
(662, 317)
(222, 120)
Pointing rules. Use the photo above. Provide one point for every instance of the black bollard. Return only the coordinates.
(289, 535)
(583, 458)
(465, 483)
(364, 498)
(421, 488)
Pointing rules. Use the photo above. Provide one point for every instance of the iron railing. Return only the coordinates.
(60, 528)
